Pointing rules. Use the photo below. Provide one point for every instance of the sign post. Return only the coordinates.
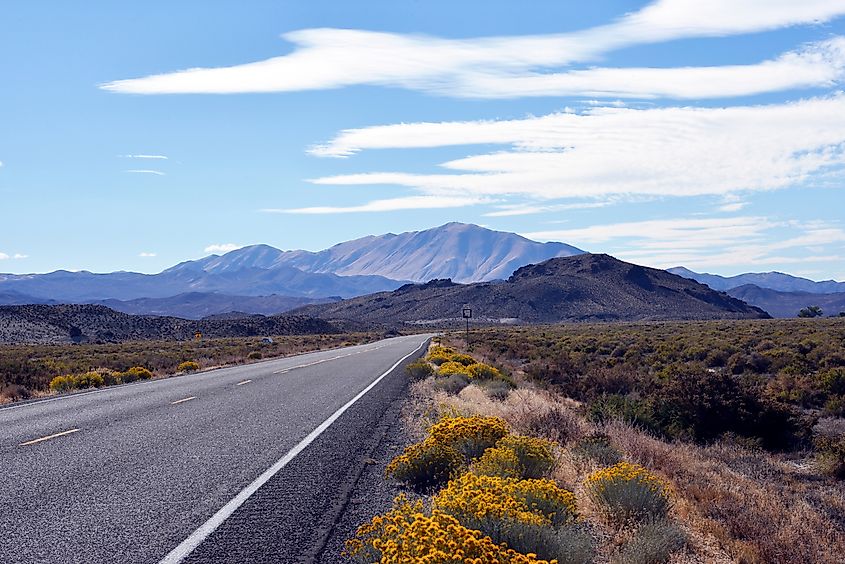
(467, 313)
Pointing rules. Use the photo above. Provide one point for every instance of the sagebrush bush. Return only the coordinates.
(830, 456)
(653, 543)
(470, 436)
(496, 389)
(425, 466)
(419, 370)
(189, 366)
(453, 384)
(408, 534)
(597, 448)
(570, 544)
(628, 491)
(254, 355)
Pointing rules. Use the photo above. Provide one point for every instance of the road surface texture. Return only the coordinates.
(246, 464)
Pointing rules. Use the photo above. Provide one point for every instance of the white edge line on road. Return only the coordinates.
(187, 546)
(48, 437)
(183, 400)
(244, 382)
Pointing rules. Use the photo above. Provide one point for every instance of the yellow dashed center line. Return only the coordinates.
(183, 400)
(48, 437)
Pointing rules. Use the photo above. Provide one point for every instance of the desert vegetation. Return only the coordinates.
(32, 370)
(671, 442)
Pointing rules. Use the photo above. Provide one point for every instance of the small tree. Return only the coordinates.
(811, 311)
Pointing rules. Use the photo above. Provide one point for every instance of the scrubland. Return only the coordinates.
(29, 370)
(640, 443)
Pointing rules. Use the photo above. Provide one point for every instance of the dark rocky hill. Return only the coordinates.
(97, 323)
(586, 287)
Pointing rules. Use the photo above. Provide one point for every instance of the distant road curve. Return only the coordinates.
(240, 464)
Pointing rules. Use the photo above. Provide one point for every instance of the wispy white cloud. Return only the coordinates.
(511, 210)
(511, 66)
(146, 171)
(392, 204)
(144, 254)
(15, 256)
(673, 151)
(222, 247)
(710, 242)
(153, 157)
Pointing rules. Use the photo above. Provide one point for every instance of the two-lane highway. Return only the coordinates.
(150, 471)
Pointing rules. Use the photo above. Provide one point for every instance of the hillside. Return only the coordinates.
(787, 304)
(771, 280)
(587, 287)
(92, 323)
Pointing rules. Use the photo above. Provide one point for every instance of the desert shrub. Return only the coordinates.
(135, 373)
(500, 462)
(62, 383)
(88, 380)
(449, 368)
(628, 491)
(556, 424)
(189, 366)
(830, 455)
(419, 370)
(833, 380)
(508, 510)
(407, 534)
(452, 384)
(464, 359)
(438, 355)
(570, 544)
(496, 389)
(254, 355)
(426, 465)
(535, 455)
(470, 436)
(653, 543)
(110, 377)
(474, 499)
(597, 448)
(481, 371)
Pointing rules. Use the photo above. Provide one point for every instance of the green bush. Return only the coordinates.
(425, 466)
(653, 543)
(419, 370)
(188, 366)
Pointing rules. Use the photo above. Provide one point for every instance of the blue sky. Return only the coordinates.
(709, 135)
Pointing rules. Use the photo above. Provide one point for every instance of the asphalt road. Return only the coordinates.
(130, 473)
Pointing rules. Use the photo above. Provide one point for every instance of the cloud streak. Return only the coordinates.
(153, 157)
(391, 204)
(222, 247)
(145, 171)
(673, 151)
(515, 66)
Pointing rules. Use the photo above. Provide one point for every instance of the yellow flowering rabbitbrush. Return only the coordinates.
(407, 535)
(426, 465)
(475, 500)
(469, 435)
(626, 490)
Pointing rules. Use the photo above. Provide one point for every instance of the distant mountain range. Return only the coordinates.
(585, 287)
(772, 280)
(788, 304)
(363, 266)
